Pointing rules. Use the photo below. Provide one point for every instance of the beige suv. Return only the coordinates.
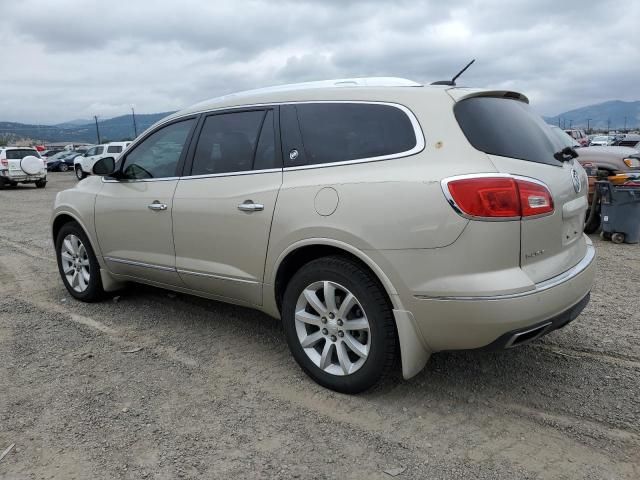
(375, 217)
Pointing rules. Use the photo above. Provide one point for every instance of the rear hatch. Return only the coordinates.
(14, 157)
(519, 142)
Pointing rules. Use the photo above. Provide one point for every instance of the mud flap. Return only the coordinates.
(414, 354)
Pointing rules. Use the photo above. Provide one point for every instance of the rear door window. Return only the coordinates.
(336, 132)
(235, 142)
(114, 149)
(507, 127)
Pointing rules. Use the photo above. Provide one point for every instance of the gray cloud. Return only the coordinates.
(73, 58)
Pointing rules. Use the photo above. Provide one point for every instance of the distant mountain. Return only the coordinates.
(112, 129)
(74, 123)
(605, 115)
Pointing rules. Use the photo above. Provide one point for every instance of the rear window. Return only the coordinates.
(114, 149)
(335, 132)
(508, 128)
(20, 154)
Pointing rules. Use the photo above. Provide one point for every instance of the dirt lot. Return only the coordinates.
(158, 385)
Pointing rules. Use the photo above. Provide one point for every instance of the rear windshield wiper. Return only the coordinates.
(566, 154)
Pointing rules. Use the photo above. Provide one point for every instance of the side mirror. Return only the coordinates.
(105, 166)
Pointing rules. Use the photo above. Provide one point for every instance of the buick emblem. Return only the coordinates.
(577, 185)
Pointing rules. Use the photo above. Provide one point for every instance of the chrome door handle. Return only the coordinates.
(157, 206)
(249, 206)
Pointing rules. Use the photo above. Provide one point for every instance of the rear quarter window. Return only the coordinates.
(114, 149)
(507, 127)
(335, 132)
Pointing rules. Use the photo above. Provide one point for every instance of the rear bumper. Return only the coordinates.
(522, 336)
(7, 177)
(461, 323)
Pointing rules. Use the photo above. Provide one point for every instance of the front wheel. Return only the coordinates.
(63, 167)
(79, 173)
(77, 264)
(339, 324)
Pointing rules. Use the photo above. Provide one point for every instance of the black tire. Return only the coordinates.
(375, 302)
(79, 173)
(94, 291)
(63, 167)
(41, 183)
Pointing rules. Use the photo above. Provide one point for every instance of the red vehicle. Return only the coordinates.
(579, 136)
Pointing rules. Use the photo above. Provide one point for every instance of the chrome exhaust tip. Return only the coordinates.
(527, 336)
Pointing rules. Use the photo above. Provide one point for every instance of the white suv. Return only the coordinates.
(374, 217)
(22, 165)
(84, 163)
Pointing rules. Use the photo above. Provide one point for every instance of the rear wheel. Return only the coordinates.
(79, 173)
(77, 264)
(41, 183)
(63, 167)
(339, 325)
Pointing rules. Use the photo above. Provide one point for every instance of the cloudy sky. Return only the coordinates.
(73, 59)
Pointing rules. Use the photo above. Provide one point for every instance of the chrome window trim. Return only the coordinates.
(420, 140)
(219, 277)
(538, 287)
(231, 174)
(444, 184)
(139, 264)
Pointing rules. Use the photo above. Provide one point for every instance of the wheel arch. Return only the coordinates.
(300, 253)
(62, 218)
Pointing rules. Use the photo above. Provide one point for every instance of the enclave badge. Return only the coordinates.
(577, 185)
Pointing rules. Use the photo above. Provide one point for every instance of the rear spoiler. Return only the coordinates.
(459, 94)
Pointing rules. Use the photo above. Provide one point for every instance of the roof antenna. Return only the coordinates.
(452, 82)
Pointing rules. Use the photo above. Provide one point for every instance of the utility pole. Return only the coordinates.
(558, 122)
(625, 125)
(588, 124)
(135, 127)
(608, 125)
(570, 124)
(95, 117)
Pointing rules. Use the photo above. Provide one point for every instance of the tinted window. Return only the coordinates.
(227, 143)
(99, 150)
(158, 155)
(508, 128)
(335, 132)
(114, 149)
(20, 154)
(266, 149)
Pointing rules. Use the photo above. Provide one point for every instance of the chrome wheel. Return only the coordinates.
(332, 328)
(75, 263)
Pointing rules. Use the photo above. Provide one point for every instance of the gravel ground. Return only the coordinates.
(160, 385)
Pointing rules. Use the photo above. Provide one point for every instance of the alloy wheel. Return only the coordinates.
(75, 263)
(332, 328)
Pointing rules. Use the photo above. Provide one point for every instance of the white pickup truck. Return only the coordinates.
(84, 163)
(22, 165)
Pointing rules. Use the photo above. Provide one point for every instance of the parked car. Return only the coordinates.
(375, 217)
(629, 140)
(61, 161)
(610, 160)
(579, 136)
(21, 165)
(601, 141)
(83, 164)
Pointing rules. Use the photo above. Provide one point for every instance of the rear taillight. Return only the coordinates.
(498, 197)
(4, 162)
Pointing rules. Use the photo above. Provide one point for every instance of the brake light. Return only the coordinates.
(504, 198)
(4, 162)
